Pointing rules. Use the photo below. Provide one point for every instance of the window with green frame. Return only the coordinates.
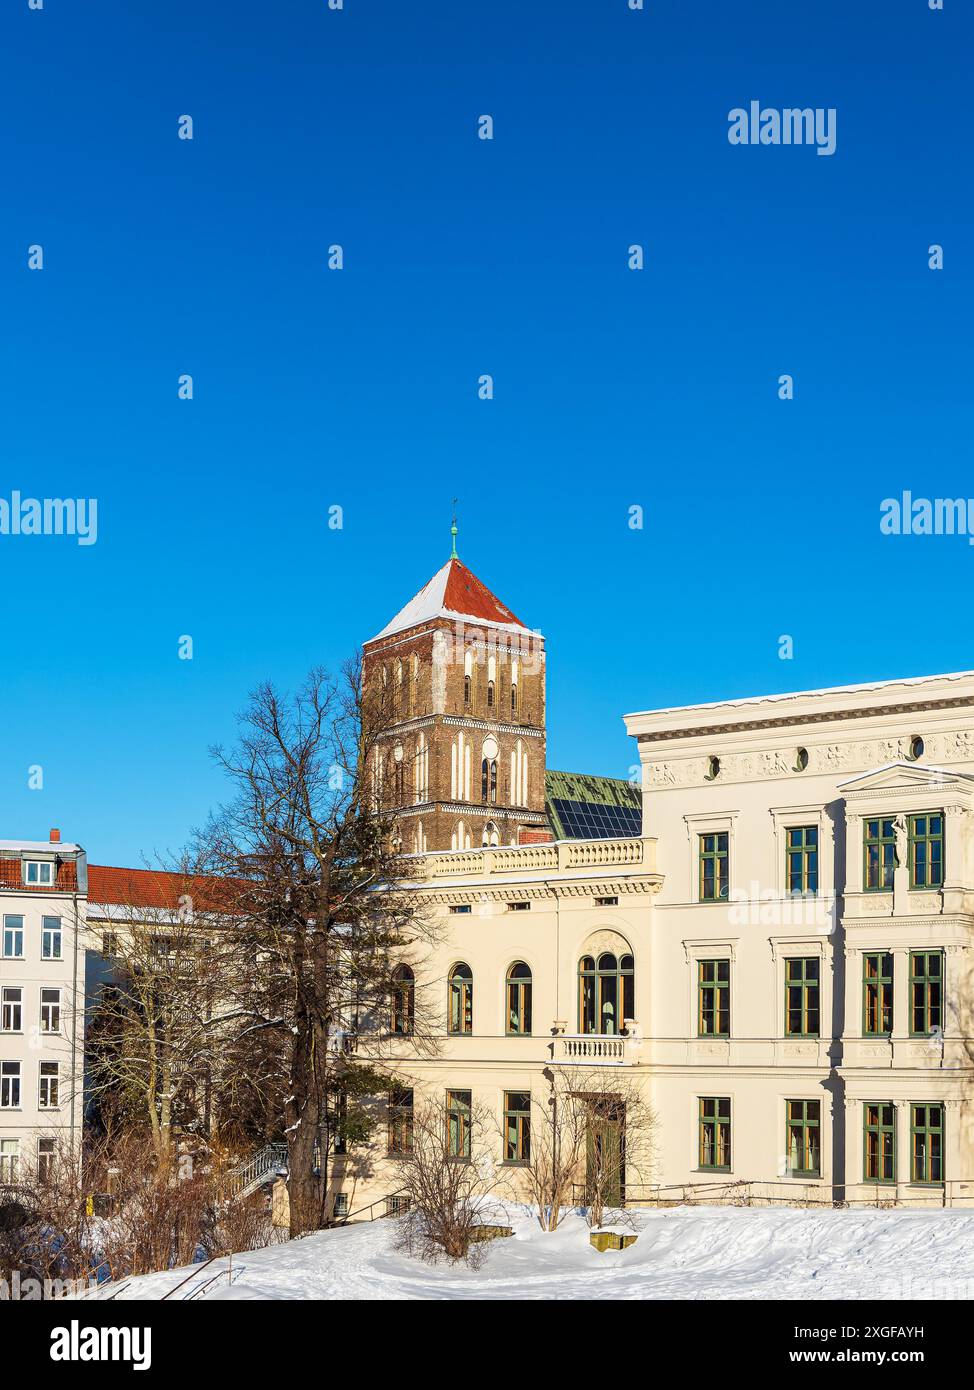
(927, 1143)
(458, 1105)
(460, 1015)
(713, 998)
(400, 1121)
(879, 1141)
(926, 992)
(877, 993)
(518, 995)
(802, 985)
(927, 850)
(879, 854)
(803, 1137)
(715, 1132)
(517, 1126)
(802, 859)
(713, 866)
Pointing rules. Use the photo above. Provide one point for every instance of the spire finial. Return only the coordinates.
(453, 533)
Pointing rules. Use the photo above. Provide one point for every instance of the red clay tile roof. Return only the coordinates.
(12, 876)
(144, 887)
(454, 591)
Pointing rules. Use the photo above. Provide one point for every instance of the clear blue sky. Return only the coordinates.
(359, 388)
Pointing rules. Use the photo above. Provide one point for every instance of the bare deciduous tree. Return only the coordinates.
(445, 1175)
(321, 914)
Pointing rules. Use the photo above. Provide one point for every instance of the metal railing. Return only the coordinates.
(359, 1212)
(260, 1168)
(796, 1193)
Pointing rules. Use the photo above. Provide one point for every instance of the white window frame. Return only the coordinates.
(45, 1007)
(48, 1077)
(47, 931)
(8, 917)
(11, 1004)
(39, 864)
(11, 1072)
(9, 1157)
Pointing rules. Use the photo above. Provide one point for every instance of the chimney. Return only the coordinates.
(55, 835)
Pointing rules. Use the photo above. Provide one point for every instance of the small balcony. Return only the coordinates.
(595, 1049)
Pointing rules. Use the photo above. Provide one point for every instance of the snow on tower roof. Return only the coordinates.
(454, 592)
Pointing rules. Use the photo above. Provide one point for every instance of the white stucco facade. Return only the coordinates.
(805, 1031)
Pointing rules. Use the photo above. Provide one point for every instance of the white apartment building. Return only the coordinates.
(42, 894)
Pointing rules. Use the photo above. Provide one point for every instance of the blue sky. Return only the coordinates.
(358, 388)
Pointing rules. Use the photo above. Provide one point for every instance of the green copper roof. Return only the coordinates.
(583, 807)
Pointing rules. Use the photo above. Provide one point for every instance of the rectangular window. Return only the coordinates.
(9, 1159)
(879, 1142)
(879, 854)
(397, 1206)
(9, 1085)
(45, 1160)
(713, 991)
(13, 937)
(51, 938)
(519, 907)
(606, 902)
(713, 867)
(458, 1105)
(926, 992)
(11, 1012)
(47, 1086)
(802, 859)
(401, 1121)
(109, 945)
(517, 1126)
(460, 909)
(927, 1140)
(39, 873)
(927, 851)
(341, 1204)
(877, 994)
(715, 1132)
(804, 1137)
(50, 1011)
(802, 997)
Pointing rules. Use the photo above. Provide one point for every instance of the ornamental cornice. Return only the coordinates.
(519, 892)
(794, 721)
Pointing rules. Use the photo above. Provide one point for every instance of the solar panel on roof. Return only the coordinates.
(594, 820)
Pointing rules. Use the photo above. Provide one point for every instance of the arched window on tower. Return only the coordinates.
(490, 694)
(468, 676)
(488, 780)
(491, 835)
(514, 698)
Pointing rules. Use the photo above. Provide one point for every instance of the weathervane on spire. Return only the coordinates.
(453, 533)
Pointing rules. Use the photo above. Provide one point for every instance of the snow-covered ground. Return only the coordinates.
(689, 1252)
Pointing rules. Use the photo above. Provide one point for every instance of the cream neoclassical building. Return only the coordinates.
(780, 961)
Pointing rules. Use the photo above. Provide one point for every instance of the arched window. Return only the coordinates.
(605, 993)
(461, 999)
(488, 780)
(514, 699)
(491, 835)
(466, 690)
(519, 998)
(490, 694)
(403, 1000)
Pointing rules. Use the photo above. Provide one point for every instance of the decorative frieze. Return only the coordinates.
(831, 757)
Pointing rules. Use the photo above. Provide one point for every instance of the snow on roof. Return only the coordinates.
(805, 694)
(454, 592)
(36, 846)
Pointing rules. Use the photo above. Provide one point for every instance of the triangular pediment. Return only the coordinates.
(907, 777)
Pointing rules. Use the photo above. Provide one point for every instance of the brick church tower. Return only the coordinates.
(464, 680)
